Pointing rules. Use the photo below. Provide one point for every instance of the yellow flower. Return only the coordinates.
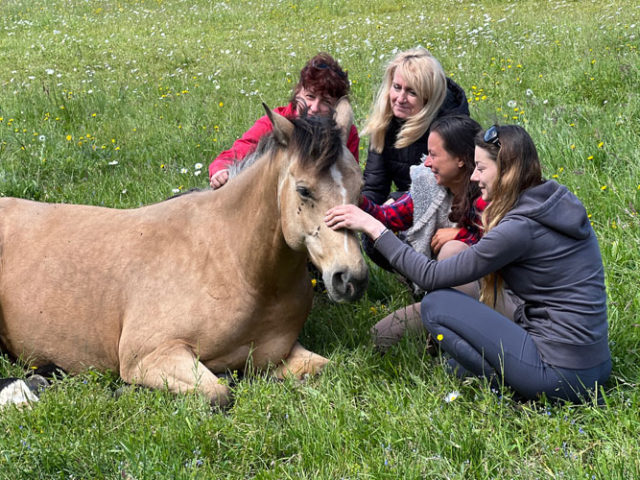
(603, 188)
(69, 138)
(439, 337)
(601, 144)
(313, 282)
(221, 104)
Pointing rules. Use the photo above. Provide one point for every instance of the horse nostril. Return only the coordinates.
(345, 285)
(340, 282)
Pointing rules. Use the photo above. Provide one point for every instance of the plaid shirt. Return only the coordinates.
(398, 216)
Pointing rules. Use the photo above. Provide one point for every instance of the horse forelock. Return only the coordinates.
(316, 141)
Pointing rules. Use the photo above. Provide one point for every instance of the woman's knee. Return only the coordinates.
(433, 305)
(451, 249)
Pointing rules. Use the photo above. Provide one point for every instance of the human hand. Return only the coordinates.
(442, 236)
(353, 218)
(219, 178)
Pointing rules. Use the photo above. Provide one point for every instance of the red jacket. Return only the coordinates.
(249, 141)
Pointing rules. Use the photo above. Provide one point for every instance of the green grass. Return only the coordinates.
(115, 104)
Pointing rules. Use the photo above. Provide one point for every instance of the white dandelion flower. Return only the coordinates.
(512, 104)
(113, 162)
(198, 166)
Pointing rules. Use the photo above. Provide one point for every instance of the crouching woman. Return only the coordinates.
(538, 240)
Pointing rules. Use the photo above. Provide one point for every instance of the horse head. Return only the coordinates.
(321, 173)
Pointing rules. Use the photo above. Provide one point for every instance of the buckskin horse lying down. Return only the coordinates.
(169, 293)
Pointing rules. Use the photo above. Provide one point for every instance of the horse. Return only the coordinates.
(211, 281)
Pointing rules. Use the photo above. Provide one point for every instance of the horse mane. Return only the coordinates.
(315, 140)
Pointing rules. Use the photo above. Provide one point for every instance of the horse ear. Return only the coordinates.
(343, 116)
(282, 127)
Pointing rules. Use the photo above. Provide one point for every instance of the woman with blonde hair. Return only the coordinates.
(414, 92)
(538, 240)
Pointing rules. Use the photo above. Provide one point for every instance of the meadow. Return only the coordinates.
(125, 103)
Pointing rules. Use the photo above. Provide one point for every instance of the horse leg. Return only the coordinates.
(174, 366)
(300, 362)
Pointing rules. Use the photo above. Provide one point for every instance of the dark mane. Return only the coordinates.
(316, 140)
(266, 144)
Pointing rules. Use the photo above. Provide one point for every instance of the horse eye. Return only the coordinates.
(304, 192)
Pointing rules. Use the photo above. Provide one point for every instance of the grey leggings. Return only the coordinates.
(485, 343)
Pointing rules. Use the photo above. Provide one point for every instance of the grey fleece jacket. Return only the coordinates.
(548, 254)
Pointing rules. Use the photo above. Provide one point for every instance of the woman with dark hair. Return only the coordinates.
(441, 212)
(322, 83)
(537, 240)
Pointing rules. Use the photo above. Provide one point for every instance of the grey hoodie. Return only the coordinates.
(548, 254)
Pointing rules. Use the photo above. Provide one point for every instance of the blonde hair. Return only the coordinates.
(424, 74)
(518, 168)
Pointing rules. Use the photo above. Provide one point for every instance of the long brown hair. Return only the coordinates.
(458, 134)
(518, 168)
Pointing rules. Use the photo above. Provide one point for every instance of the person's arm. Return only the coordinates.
(353, 143)
(442, 236)
(377, 184)
(397, 216)
(501, 246)
(240, 149)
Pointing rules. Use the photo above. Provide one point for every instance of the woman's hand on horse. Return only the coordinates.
(442, 236)
(351, 217)
(219, 178)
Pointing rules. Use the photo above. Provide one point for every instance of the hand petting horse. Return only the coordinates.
(170, 293)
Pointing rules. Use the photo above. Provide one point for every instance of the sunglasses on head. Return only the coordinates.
(324, 66)
(491, 136)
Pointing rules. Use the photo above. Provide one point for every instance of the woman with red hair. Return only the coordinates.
(322, 83)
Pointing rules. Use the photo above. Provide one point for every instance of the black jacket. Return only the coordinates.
(392, 165)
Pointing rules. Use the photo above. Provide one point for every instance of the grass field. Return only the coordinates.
(124, 103)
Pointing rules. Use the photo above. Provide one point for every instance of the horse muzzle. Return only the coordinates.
(346, 285)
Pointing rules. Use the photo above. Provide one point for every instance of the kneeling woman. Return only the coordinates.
(539, 241)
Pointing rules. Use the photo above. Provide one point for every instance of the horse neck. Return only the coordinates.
(253, 199)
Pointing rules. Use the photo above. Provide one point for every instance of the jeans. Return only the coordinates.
(488, 344)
